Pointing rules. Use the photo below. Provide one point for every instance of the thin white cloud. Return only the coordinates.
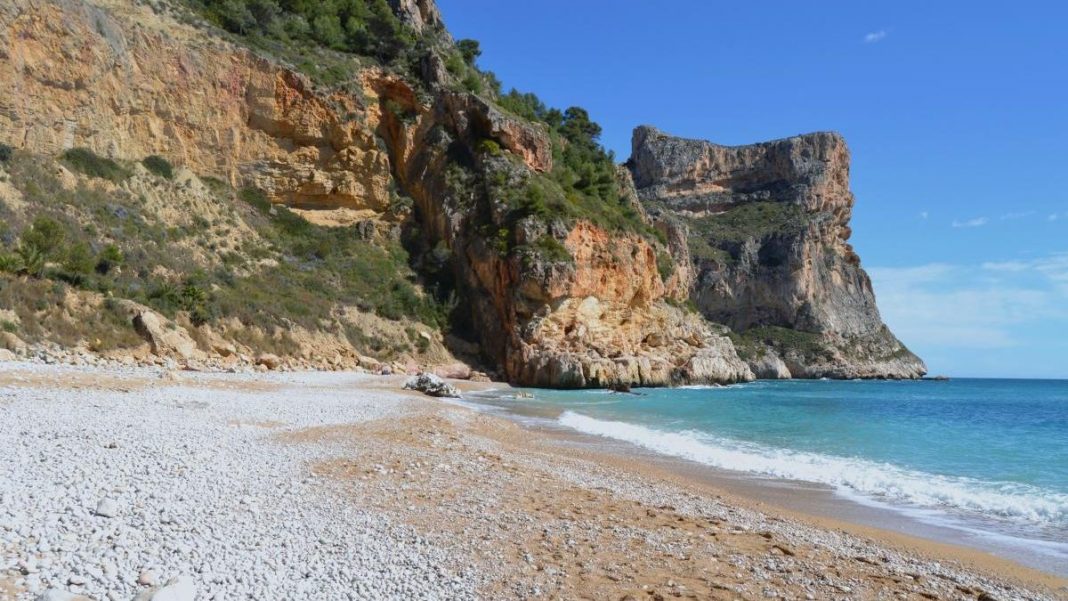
(977, 222)
(875, 36)
(1009, 266)
(1052, 217)
(968, 308)
(1053, 267)
(1013, 216)
(924, 215)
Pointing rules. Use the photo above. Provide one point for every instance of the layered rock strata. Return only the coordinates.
(768, 230)
(128, 81)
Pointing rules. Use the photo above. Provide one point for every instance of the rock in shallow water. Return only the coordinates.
(432, 385)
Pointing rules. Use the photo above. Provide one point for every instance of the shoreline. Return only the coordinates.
(780, 497)
(812, 503)
(456, 502)
(802, 498)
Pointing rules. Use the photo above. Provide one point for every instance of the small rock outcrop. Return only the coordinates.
(166, 338)
(768, 231)
(432, 385)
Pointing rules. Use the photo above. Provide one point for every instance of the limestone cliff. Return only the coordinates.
(600, 316)
(128, 80)
(768, 234)
(403, 190)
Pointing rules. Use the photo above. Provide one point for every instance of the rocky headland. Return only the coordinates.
(284, 205)
(767, 230)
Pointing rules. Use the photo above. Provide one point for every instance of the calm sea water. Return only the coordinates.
(986, 455)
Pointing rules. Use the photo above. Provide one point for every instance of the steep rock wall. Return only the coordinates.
(603, 318)
(768, 228)
(127, 83)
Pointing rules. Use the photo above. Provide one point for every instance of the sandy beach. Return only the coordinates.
(343, 486)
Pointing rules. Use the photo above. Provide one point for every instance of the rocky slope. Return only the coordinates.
(597, 313)
(390, 194)
(126, 81)
(768, 234)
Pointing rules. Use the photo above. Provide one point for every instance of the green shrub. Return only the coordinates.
(454, 64)
(216, 185)
(810, 344)
(665, 265)
(88, 162)
(109, 258)
(31, 260)
(364, 27)
(9, 326)
(5, 153)
(159, 165)
(400, 204)
(399, 111)
(750, 220)
(469, 50)
(256, 198)
(10, 263)
(45, 234)
(553, 250)
(78, 259)
(472, 82)
(490, 147)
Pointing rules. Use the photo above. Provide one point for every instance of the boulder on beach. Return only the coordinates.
(432, 385)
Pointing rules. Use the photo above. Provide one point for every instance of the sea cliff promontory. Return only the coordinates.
(272, 194)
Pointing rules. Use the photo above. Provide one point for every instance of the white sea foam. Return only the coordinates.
(880, 481)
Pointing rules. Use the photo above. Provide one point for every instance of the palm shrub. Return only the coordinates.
(32, 260)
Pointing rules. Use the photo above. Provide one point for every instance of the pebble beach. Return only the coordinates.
(141, 483)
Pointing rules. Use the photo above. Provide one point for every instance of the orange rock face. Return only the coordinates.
(127, 84)
(618, 267)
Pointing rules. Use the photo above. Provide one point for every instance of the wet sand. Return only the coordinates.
(550, 514)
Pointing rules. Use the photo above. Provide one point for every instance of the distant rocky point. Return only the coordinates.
(767, 230)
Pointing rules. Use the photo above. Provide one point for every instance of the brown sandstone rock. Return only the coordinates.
(165, 338)
(269, 360)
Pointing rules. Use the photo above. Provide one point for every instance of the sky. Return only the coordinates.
(956, 115)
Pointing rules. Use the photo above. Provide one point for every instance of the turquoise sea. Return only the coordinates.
(985, 456)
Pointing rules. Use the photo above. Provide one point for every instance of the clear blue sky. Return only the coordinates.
(956, 114)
